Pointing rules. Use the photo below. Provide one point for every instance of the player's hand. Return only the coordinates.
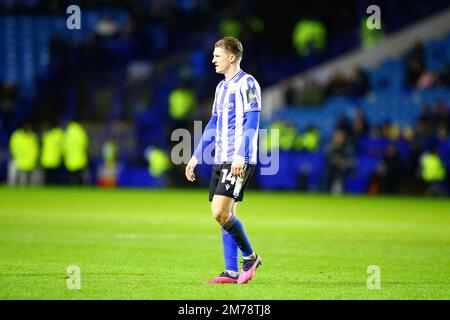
(237, 166)
(189, 172)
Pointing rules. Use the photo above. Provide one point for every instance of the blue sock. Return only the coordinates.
(230, 252)
(235, 228)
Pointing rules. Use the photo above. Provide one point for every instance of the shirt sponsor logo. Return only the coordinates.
(226, 105)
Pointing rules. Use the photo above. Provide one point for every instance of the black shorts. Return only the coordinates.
(223, 184)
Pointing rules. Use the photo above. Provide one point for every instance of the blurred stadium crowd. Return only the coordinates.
(136, 70)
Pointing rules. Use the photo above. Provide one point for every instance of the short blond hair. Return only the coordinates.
(232, 45)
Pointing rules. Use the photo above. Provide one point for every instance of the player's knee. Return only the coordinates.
(220, 214)
(216, 212)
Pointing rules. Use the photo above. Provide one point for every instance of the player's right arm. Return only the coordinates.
(204, 142)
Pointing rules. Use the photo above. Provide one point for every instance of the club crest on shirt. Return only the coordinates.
(252, 96)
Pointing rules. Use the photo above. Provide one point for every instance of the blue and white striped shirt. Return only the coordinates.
(233, 100)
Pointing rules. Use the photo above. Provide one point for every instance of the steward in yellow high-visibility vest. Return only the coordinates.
(309, 141)
(307, 35)
(230, 28)
(433, 171)
(287, 137)
(181, 102)
(51, 154)
(268, 142)
(24, 149)
(75, 149)
(52, 148)
(158, 162)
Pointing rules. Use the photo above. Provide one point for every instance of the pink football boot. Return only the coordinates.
(249, 269)
(224, 277)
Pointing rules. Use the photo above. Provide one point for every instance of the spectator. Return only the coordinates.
(417, 53)
(443, 142)
(441, 114)
(339, 161)
(360, 83)
(442, 132)
(311, 93)
(423, 134)
(426, 116)
(390, 170)
(360, 126)
(444, 76)
(338, 85)
(343, 124)
(109, 169)
(413, 72)
(427, 79)
(291, 95)
(390, 132)
(107, 27)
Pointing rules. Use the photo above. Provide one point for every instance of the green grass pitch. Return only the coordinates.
(151, 244)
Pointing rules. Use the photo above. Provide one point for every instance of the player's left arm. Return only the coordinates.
(251, 103)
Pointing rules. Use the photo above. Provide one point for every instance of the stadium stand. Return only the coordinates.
(56, 71)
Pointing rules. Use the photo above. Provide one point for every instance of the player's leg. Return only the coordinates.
(230, 249)
(233, 209)
(224, 193)
(250, 264)
(230, 254)
(221, 209)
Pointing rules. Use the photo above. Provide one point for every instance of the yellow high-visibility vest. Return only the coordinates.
(230, 28)
(432, 167)
(311, 140)
(159, 162)
(24, 148)
(287, 138)
(52, 148)
(307, 34)
(75, 147)
(181, 101)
